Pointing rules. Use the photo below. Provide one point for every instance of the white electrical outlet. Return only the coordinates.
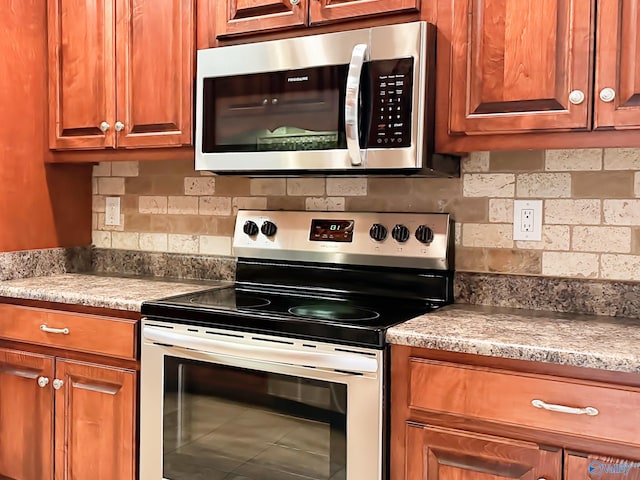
(527, 220)
(112, 211)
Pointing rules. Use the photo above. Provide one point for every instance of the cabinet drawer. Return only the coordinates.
(89, 333)
(506, 397)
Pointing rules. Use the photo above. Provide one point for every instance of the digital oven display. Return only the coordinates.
(331, 231)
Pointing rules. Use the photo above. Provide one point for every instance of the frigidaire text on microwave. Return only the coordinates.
(352, 102)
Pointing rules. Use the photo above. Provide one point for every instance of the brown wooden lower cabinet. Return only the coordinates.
(446, 454)
(83, 412)
(26, 415)
(468, 417)
(68, 393)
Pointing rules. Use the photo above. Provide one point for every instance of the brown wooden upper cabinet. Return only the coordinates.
(234, 17)
(121, 73)
(528, 66)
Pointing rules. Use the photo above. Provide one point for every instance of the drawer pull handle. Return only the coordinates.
(591, 411)
(64, 331)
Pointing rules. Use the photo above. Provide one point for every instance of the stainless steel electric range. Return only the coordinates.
(283, 373)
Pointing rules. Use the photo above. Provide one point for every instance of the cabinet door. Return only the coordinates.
(26, 416)
(81, 74)
(514, 63)
(322, 11)
(618, 65)
(95, 422)
(155, 51)
(442, 454)
(579, 466)
(246, 16)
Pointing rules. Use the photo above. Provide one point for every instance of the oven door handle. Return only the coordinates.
(345, 362)
(351, 104)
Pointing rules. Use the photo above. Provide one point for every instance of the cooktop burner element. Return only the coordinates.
(341, 277)
(334, 312)
(239, 301)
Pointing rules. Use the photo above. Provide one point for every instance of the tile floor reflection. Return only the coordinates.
(215, 439)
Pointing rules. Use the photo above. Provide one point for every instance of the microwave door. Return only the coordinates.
(352, 114)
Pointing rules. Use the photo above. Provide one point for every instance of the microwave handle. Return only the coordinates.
(351, 116)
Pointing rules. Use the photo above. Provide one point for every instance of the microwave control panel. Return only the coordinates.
(391, 101)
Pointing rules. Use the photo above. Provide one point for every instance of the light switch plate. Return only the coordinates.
(112, 211)
(527, 220)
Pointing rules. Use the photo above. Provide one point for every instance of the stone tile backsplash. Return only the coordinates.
(591, 208)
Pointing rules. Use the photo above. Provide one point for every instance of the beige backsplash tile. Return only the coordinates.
(621, 212)
(514, 261)
(570, 264)
(329, 204)
(494, 185)
(567, 160)
(572, 212)
(615, 184)
(233, 186)
(622, 158)
(305, 186)
(517, 161)
(591, 208)
(124, 169)
(346, 186)
(182, 205)
(620, 267)
(601, 239)
(215, 206)
(152, 204)
(543, 185)
(501, 210)
(199, 185)
(487, 235)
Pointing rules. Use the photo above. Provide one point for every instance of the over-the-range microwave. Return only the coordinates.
(358, 101)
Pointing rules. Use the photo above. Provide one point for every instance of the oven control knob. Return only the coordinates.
(400, 233)
(378, 232)
(250, 228)
(269, 228)
(424, 234)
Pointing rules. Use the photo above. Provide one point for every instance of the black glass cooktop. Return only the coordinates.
(344, 318)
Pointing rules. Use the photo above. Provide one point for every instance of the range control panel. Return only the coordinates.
(416, 240)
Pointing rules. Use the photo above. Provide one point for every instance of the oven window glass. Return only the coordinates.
(223, 422)
(277, 111)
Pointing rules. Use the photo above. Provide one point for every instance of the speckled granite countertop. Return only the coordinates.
(609, 343)
(105, 291)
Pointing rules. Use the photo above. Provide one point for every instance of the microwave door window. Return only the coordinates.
(277, 111)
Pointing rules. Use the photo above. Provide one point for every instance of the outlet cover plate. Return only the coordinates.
(527, 220)
(112, 211)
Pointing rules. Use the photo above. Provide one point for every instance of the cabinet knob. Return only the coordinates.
(104, 126)
(576, 97)
(119, 126)
(43, 382)
(294, 2)
(607, 94)
(57, 383)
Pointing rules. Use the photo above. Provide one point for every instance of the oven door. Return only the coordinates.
(220, 404)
